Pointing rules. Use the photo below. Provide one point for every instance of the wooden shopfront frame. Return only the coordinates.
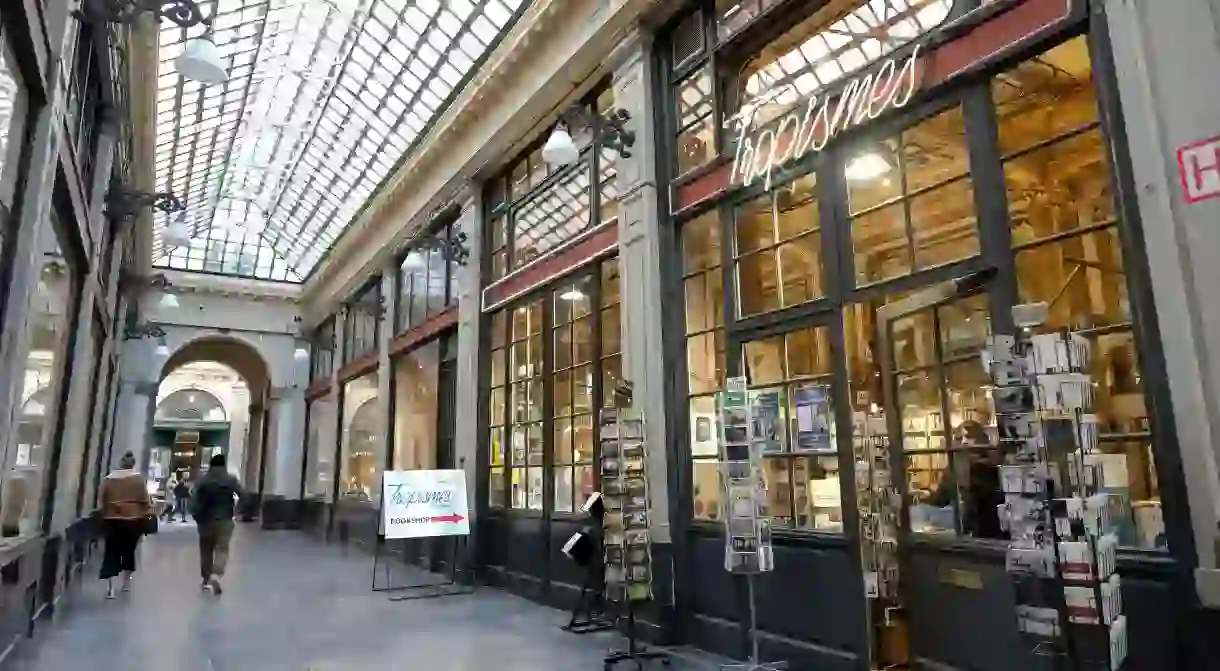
(962, 578)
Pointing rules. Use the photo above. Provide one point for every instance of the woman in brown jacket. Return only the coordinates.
(125, 508)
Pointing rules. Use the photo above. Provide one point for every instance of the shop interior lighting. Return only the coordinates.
(573, 295)
(867, 167)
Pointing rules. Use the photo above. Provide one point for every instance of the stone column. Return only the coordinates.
(248, 471)
(468, 285)
(1167, 112)
(640, 268)
(133, 422)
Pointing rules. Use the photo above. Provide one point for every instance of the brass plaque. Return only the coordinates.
(960, 577)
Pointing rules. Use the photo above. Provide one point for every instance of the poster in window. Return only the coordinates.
(813, 417)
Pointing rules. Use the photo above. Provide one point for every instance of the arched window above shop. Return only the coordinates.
(191, 405)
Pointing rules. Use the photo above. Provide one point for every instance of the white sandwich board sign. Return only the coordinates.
(423, 504)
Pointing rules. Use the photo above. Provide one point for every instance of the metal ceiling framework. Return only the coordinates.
(325, 98)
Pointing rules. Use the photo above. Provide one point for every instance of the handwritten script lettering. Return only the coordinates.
(400, 496)
(865, 98)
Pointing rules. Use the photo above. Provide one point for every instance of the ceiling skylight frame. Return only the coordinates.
(313, 85)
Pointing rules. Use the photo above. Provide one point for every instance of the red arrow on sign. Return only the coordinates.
(452, 519)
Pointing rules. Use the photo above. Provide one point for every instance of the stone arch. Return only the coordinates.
(235, 352)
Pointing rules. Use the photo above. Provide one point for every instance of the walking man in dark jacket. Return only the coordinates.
(212, 509)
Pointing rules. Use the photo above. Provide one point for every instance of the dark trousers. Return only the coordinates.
(122, 537)
(214, 537)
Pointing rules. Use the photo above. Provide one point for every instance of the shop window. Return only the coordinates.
(912, 200)
(525, 407)
(612, 335)
(1069, 254)
(696, 137)
(320, 449)
(362, 450)
(803, 475)
(497, 407)
(831, 45)
(705, 355)
(572, 389)
(415, 407)
(779, 249)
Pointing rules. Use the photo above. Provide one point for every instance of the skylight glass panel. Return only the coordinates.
(349, 85)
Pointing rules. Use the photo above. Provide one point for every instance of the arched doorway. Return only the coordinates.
(245, 445)
(191, 424)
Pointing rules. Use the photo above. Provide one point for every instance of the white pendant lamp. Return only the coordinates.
(559, 148)
(177, 234)
(168, 301)
(300, 354)
(162, 349)
(201, 61)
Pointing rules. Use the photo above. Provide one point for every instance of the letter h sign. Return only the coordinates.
(1199, 168)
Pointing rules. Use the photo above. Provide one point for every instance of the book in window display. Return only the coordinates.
(628, 551)
(1062, 525)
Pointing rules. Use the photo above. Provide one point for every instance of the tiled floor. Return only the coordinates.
(294, 604)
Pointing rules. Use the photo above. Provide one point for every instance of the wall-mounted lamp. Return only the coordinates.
(185, 13)
(453, 248)
(123, 203)
(612, 131)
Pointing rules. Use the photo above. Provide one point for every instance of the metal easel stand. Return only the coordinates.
(633, 653)
(753, 664)
(591, 605)
(450, 587)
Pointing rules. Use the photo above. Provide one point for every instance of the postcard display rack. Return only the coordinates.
(749, 426)
(1062, 554)
(626, 541)
(878, 503)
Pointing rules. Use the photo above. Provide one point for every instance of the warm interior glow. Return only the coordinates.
(868, 166)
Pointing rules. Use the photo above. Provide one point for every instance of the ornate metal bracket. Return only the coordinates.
(611, 128)
(185, 13)
(138, 331)
(155, 281)
(123, 203)
(614, 133)
(453, 249)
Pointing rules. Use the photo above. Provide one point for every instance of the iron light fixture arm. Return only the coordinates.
(185, 13)
(611, 127)
(140, 331)
(123, 202)
(453, 248)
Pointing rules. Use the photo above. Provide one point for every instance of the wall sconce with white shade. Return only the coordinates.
(178, 233)
(201, 61)
(560, 149)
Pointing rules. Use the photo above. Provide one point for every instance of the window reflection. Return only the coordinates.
(415, 407)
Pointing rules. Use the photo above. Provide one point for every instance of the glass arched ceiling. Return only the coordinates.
(324, 99)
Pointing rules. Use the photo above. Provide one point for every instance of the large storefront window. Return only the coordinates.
(320, 449)
(415, 390)
(1069, 253)
(910, 210)
(362, 455)
(561, 364)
